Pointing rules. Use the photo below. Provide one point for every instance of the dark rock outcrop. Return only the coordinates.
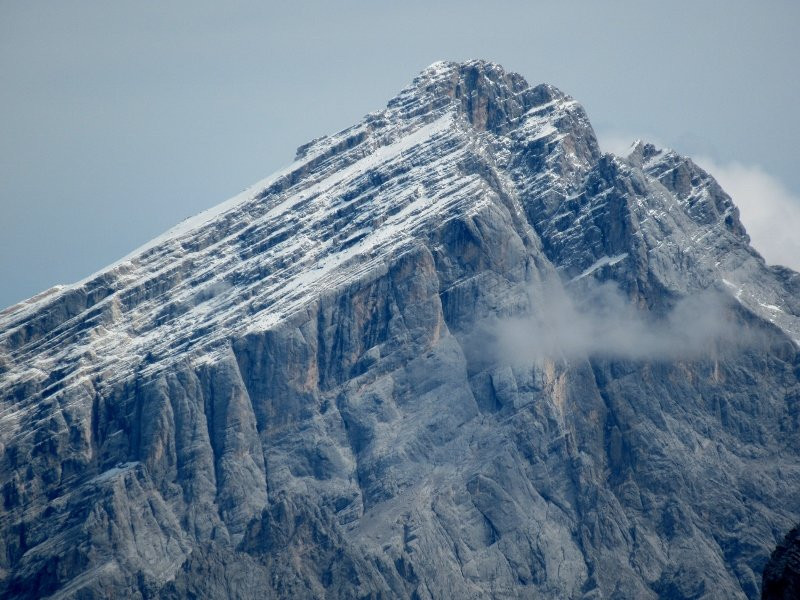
(782, 573)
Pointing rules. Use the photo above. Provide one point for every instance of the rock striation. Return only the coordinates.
(305, 392)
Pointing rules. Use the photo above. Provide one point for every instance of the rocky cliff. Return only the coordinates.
(454, 351)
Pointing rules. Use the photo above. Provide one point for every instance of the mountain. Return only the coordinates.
(454, 351)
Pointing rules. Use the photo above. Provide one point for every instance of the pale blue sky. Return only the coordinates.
(119, 119)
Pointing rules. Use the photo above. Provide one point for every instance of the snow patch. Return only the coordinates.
(600, 263)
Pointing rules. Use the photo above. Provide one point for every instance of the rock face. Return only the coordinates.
(782, 574)
(306, 392)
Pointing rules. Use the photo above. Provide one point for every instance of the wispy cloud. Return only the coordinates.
(603, 322)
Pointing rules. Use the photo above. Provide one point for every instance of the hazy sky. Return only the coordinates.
(119, 119)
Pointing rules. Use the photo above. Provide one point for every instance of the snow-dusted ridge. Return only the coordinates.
(325, 220)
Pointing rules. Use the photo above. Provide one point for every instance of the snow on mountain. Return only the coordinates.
(284, 394)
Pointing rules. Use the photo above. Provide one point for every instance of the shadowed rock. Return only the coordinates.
(782, 573)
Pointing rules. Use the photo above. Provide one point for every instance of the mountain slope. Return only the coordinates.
(307, 391)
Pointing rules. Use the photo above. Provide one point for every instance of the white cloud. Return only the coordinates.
(769, 211)
(602, 321)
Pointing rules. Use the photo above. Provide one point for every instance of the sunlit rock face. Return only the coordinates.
(453, 351)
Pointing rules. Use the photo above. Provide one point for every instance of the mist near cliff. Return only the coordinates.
(601, 321)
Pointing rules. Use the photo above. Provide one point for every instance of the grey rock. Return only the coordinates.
(300, 394)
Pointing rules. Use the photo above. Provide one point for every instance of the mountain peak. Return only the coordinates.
(314, 389)
(641, 152)
(450, 70)
(489, 96)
